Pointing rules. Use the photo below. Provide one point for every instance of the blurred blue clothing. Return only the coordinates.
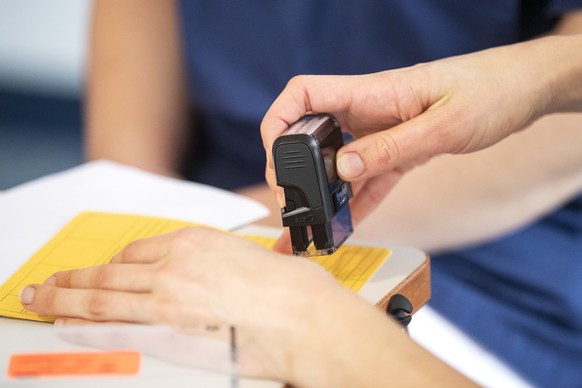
(521, 296)
(240, 55)
(39, 135)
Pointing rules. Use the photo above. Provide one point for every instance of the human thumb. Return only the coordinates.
(368, 156)
(400, 146)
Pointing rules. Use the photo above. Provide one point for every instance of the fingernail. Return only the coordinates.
(27, 295)
(51, 281)
(350, 165)
(59, 322)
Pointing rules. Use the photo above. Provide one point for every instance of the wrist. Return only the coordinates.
(333, 338)
(316, 351)
(561, 67)
(341, 333)
(314, 338)
(286, 336)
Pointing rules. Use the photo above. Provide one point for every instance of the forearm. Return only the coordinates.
(465, 199)
(456, 200)
(352, 344)
(136, 105)
(566, 64)
(566, 85)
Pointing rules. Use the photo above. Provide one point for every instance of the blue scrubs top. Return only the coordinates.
(519, 296)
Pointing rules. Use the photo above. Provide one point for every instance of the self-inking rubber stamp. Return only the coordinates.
(316, 199)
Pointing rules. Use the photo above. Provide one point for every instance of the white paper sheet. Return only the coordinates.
(31, 213)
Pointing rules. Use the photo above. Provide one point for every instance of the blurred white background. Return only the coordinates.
(42, 45)
(42, 66)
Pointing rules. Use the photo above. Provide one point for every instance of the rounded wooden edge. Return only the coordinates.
(415, 287)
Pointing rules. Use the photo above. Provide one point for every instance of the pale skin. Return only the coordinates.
(191, 276)
(136, 103)
(289, 312)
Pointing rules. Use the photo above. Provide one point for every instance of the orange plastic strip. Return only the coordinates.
(61, 364)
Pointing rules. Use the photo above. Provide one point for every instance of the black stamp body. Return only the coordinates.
(316, 200)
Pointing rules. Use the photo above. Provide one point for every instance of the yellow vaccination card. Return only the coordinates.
(93, 238)
(352, 265)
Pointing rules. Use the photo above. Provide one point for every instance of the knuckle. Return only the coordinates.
(451, 132)
(48, 300)
(188, 240)
(386, 151)
(192, 238)
(97, 305)
(297, 81)
(188, 236)
(102, 276)
(63, 279)
(168, 274)
(126, 253)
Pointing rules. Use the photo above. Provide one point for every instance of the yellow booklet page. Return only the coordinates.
(93, 238)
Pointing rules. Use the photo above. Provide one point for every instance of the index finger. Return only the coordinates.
(304, 94)
(119, 277)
